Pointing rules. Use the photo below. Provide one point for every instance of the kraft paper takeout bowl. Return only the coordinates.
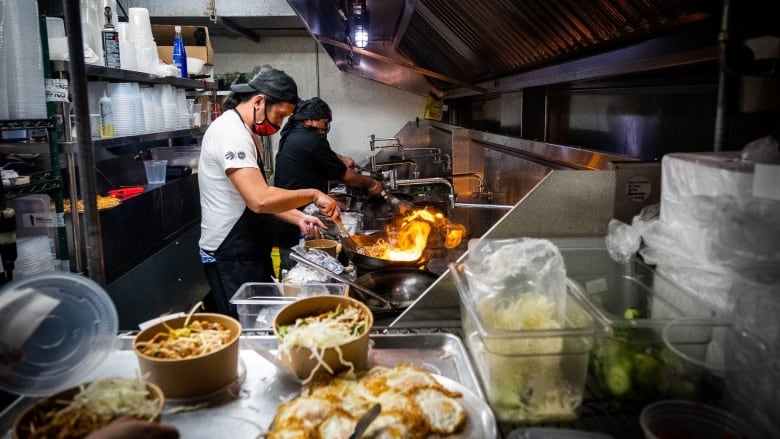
(195, 376)
(300, 359)
(31, 417)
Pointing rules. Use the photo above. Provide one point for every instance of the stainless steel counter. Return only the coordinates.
(247, 407)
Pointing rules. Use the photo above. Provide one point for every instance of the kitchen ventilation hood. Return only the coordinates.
(458, 47)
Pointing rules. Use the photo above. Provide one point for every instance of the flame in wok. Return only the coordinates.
(407, 237)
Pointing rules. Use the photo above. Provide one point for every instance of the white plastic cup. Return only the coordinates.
(127, 58)
(155, 171)
(139, 25)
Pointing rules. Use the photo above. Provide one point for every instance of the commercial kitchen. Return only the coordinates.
(639, 139)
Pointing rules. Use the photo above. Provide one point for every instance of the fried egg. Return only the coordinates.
(338, 426)
(444, 414)
(414, 406)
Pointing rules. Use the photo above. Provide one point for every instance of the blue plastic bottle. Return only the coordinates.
(179, 53)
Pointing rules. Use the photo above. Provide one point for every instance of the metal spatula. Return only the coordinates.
(345, 235)
(365, 421)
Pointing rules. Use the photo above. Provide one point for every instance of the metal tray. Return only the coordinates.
(247, 407)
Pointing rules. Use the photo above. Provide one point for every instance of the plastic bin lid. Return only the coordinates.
(55, 328)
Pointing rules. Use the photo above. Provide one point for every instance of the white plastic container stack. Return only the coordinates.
(128, 108)
(717, 237)
(139, 32)
(21, 63)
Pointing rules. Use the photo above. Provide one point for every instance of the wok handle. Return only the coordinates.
(296, 257)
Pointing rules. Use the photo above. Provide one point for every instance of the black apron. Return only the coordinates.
(244, 256)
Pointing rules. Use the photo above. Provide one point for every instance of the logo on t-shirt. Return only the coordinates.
(241, 155)
(230, 155)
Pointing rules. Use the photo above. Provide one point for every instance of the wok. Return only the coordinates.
(400, 286)
(349, 247)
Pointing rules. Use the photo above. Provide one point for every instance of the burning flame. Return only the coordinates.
(408, 236)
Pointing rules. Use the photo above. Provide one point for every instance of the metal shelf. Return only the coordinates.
(107, 73)
(25, 147)
(26, 124)
(150, 137)
(41, 182)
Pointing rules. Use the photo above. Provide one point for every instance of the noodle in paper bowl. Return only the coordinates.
(80, 410)
(190, 356)
(324, 335)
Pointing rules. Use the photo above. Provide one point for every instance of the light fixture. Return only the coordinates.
(359, 23)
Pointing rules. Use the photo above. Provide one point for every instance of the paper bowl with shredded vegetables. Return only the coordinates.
(324, 335)
(78, 411)
(190, 356)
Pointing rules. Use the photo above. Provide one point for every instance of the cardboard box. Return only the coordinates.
(163, 36)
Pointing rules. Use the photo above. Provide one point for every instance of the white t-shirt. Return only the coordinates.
(227, 144)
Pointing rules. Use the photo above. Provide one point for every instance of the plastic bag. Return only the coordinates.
(622, 241)
(763, 150)
(502, 270)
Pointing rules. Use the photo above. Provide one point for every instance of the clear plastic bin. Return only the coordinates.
(530, 375)
(257, 303)
(630, 362)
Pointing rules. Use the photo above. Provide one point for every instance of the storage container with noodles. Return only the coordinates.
(190, 356)
(324, 335)
(526, 334)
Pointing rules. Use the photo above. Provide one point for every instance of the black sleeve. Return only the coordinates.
(327, 160)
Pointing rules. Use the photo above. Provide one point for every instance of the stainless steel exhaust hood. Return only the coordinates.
(440, 45)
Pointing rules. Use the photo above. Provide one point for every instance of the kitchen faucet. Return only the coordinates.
(415, 171)
(432, 181)
(439, 158)
(482, 190)
(396, 144)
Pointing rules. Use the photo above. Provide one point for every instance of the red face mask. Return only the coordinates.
(265, 128)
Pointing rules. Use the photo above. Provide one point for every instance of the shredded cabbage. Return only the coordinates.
(92, 408)
(331, 329)
(525, 375)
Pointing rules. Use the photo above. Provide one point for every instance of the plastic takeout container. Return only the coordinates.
(691, 420)
(258, 302)
(64, 324)
(530, 375)
(630, 362)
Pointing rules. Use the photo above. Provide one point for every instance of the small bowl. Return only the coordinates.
(692, 420)
(300, 359)
(21, 427)
(329, 246)
(194, 376)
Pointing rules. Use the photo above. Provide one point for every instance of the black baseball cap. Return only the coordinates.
(271, 82)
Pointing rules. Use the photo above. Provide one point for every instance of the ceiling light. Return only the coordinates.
(359, 23)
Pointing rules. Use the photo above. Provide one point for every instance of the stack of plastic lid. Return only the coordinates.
(21, 66)
(55, 328)
(128, 108)
(34, 256)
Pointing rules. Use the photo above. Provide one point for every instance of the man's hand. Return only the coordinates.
(310, 225)
(326, 205)
(376, 188)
